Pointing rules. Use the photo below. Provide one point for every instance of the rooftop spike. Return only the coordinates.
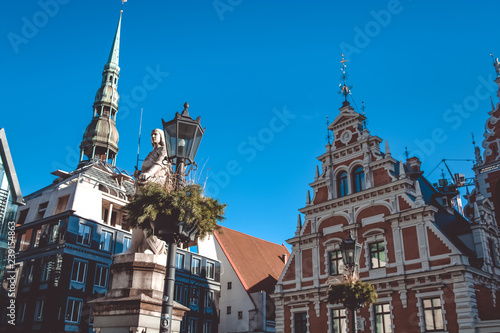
(402, 173)
(299, 225)
(308, 200)
(477, 214)
(387, 150)
(419, 200)
(317, 172)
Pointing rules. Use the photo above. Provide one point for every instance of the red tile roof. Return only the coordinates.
(258, 263)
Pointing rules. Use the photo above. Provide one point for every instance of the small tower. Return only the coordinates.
(100, 140)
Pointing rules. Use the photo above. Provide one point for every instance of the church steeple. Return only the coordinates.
(100, 140)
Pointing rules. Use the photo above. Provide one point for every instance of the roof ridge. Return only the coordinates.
(254, 237)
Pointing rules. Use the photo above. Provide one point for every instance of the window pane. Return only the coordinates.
(126, 243)
(427, 303)
(300, 322)
(429, 322)
(105, 242)
(179, 262)
(438, 317)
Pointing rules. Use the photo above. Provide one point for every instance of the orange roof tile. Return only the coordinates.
(258, 263)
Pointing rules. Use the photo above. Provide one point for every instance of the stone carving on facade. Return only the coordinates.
(155, 168)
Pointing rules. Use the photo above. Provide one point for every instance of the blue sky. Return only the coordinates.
(263, 76)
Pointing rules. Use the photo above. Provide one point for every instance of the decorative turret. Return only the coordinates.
(100, 140)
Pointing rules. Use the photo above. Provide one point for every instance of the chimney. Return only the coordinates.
(414, 164)
(413, 168)
(284, 257)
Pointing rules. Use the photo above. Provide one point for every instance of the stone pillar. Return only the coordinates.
(133, 303)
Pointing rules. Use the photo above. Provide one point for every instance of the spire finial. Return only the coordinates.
(407, 154)
(328, 133)
(364, 120)
(344, 88)
(299, 226)
(185, 112)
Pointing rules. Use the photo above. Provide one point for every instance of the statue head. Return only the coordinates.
(157, 138)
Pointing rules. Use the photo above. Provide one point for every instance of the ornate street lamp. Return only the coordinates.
(182, 139)
(351, 251)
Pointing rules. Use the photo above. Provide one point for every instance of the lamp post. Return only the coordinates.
(182, 139)
(351, 251)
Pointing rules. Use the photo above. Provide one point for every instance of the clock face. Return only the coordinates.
(346, 137)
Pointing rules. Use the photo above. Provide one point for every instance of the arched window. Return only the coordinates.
(358, 178)
(343, 188)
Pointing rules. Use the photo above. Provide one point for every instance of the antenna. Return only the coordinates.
(139, 144)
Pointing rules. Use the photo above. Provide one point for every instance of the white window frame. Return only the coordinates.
(126, 241)
(331, 318)
(194, 298)
(180, 257)
(292, 317)
(39, 307)
(99, 269)
(426, 295)
(79, 261)
(196, 269)
(207, 326)
(382, 301)
(22, 312)
(209, 300)
(83, 242)
(73, 301)
(212, 275)
(105, 243)
(45, 276)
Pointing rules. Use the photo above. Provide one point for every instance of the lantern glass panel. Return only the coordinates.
(196, 143)
(170, 130)
(186, 134)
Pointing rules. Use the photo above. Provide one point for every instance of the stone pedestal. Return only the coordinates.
(133, 303)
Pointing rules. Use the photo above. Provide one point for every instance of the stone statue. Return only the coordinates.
(155, 168)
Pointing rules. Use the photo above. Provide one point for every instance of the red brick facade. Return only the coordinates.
(423, 257)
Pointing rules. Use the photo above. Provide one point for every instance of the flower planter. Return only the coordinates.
(167, 226)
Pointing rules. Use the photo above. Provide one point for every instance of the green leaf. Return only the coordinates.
(187, 205)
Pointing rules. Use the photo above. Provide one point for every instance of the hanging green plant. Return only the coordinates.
(352, 295)
(188, 206)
